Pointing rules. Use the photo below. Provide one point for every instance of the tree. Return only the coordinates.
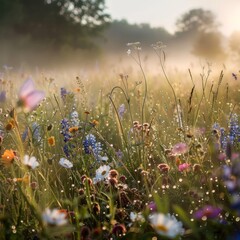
(196, 20)
(54, 22)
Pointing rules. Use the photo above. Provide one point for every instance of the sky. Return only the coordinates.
(163, 13)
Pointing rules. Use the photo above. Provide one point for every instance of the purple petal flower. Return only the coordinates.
(179, 148)
(29, 98)
(121, 111)
(207, 211)
(3, 96)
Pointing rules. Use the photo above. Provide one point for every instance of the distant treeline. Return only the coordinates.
(42, 32)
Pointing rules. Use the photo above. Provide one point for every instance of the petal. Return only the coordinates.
(27, 88)
(33, 99)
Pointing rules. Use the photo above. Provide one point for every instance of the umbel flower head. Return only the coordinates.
(29, 98)
(166, 225)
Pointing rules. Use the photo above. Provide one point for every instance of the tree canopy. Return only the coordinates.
(55, 22)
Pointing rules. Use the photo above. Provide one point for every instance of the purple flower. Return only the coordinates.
(179, 148)
(207, 211)
(29, 98)
(183, 167)
(3, 96)
(121, 111)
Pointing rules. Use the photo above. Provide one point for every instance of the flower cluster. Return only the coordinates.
(91, 146)
(231, 177)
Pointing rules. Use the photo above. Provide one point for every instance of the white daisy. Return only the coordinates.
(31, 162)
(65, 163)
(101, 173)
(166, 225)
(54, 217)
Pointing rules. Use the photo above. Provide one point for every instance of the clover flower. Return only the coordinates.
(179, 149)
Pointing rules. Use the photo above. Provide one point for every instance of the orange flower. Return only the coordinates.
(95, 122)
(51, 141)
(73, 129)
(25, 179)
(8, 157)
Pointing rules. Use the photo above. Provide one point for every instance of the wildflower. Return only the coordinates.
(91, 145)
(101, 173)
(3, 96)
(166, 225)
(65, 129)
(95, 122)
(183, 167)
(63, 93)
(65, 163)
(8, 157)
(163, 167)
(119, 154)
(179, 149)
(51, 141)
(10, 125)
(29, 98)
(73, 129)
(113, 173)
(54, 217)
(31, 162)
(136, 217)
(36, 132)
(121, 111)
(119, 229)
(25, 179)
(74, 118)
(196, 167)
(207, 211)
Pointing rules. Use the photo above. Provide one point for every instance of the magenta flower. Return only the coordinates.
(29, 98)
(183, 167)
(179, 148)
(207, 211)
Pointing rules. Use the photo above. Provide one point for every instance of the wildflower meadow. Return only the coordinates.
(113, 155)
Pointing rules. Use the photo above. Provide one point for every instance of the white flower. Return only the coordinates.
(65, 163)
(136, 217)
(30, 162)
(54, 217)
(166, 225)
(101, 173)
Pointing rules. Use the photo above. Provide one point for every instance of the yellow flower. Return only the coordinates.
(8, 157)
(51, 141)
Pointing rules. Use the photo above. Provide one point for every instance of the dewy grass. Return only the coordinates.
(121, 160)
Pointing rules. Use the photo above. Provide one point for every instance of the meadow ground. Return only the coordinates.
(107, 155)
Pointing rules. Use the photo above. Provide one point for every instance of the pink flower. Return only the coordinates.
(179, 148)
(183, 167)
(29, 98)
